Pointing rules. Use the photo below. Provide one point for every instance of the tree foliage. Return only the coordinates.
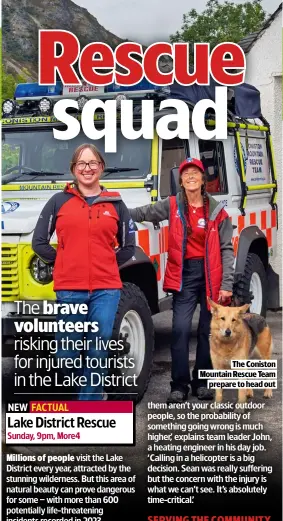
(10, 81)
(10, 156)
(227, 22)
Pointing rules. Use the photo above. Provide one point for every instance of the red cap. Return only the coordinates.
(191, 161)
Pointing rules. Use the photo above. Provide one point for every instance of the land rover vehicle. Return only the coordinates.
(240, 171)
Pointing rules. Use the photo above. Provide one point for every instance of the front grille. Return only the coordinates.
(10, 275)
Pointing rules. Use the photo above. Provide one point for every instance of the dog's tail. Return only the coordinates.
(264, 344)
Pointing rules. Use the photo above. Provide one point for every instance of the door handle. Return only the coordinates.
(148, 184)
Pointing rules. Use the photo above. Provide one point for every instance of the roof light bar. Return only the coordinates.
(25, 91)
(143, 85)
(32, 91)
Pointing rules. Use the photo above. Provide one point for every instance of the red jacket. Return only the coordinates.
(219, 255)
(93, 240)
(177, 244)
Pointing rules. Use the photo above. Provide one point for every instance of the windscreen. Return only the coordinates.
(34, 154)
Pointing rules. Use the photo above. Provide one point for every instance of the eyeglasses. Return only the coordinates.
(93, 165)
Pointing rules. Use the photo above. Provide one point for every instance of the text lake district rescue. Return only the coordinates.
(45, 422)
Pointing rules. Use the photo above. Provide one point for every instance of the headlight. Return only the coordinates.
(41, 272)
(45, 106)
(82, 100)
(8, 107)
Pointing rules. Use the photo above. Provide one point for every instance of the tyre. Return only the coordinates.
(253, 281)
(133, 325)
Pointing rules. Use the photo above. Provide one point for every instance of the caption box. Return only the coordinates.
(70, 422)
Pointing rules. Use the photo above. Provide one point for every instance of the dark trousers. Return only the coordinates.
(184, 305)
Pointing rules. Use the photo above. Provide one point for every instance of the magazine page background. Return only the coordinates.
(20, 34)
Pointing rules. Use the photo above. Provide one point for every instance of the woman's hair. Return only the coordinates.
(80, 149)
(186, 204)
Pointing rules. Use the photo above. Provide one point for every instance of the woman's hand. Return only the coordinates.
(225, 297)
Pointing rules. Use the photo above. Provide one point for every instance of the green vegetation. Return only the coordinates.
(227, 22)
(10, 157)
(10, 81)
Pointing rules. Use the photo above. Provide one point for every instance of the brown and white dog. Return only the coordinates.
(233, 336)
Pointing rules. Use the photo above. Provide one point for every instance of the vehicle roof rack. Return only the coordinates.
(34, 99)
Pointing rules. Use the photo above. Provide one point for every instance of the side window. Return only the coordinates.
(173, 153)
(213, 158)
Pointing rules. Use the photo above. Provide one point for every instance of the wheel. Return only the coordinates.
(253, 281)
(133, 325)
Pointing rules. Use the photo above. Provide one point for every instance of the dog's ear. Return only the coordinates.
(213, 305)
(244, 309)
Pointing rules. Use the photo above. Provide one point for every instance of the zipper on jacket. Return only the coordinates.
(89, 239)
(185, 238)
(207, 264)
(62, 253)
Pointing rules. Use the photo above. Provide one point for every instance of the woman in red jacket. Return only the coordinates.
(200, 264)
(95, 236)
